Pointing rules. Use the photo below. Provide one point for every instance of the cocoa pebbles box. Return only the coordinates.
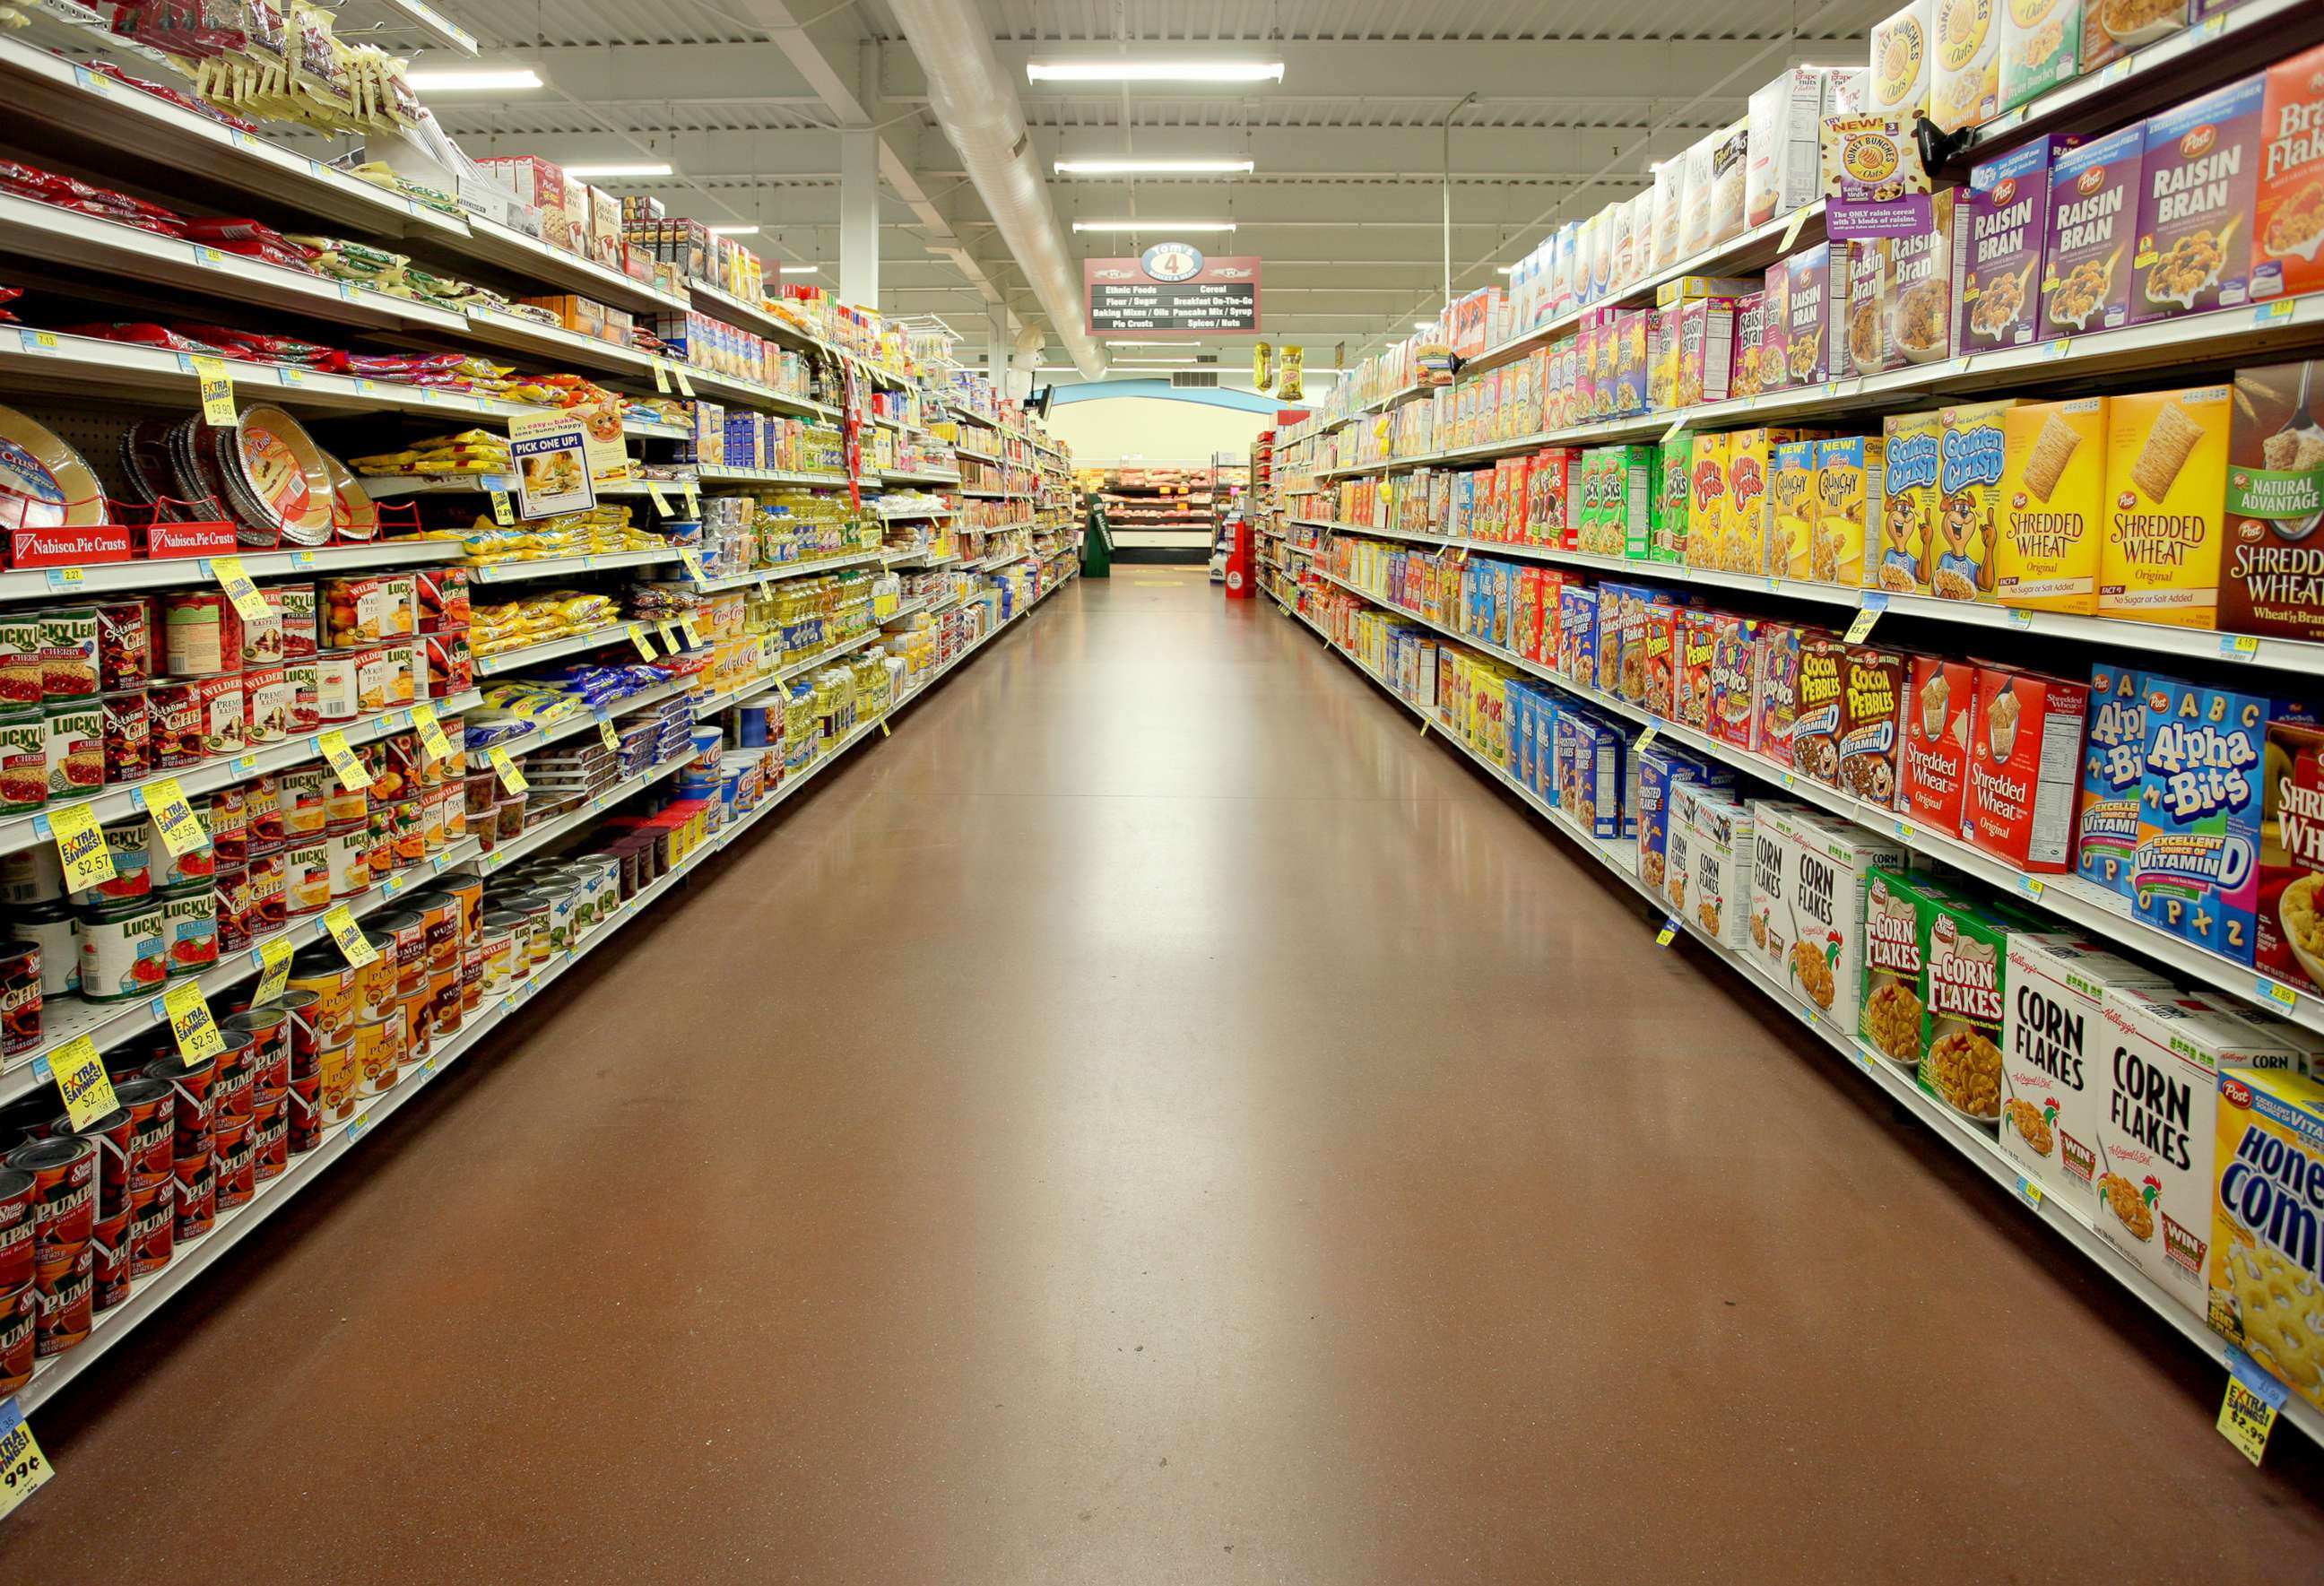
(2086, 268)
(2002, 218)
(2198, 177)
(2272, 567)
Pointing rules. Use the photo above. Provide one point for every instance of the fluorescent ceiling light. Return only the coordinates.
(617, 168)
(733, 231)
(1152, 361)
(1146, 343)
(1156, 167)
(1507, 269)
(472, 79)
(797, 268)
(1154, 225)
(1154, 71)
(1423, 324)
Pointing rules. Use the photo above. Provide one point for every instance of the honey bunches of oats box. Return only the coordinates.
(2267, 1261)
(2053, 1054)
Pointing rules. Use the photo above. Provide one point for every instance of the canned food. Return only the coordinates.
(18, 1191)
(418, 1015)
(270, 1140)
(265, 705)
(444, 1001)
(153, 1107)
(129, 844)
(503, 931)
(346, 861)
(380, 1046)
(306, 695)
(431, 819)
(121, 951)
(201, 633)
(304, 1116)
(306, 1036)
(232, 891)
(218, 712)
(441, 595)
(50, 927)
(20, 1321)
(69, 659)
(238, 1176)
(21, 687)
(174, 713)
(262, 799)
(73, 738)
(448, 665)
(23, 761)
(377, 982)
(20, 998)
(127, 725)
(342, 807)
(197, 1182)
(409, 926)
(269, 908)
(262, 637)
(67, 1305)
(196, 869)
(335, 686)
(189, 932)
(64, 1195)
(294, 607)
(382, 676)
(302, 797)
(403, 771)
(109, 1245)
(32, 875)
(152, 1226)
(230, 824)
(268, 1030)
(193, 1086)
(336, 1097)
(322, 970)
(112, 1137)
(410, 843)
(360, 611)
(124, 645)
(307, 877)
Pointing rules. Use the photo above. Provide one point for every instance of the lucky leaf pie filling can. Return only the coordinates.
(121, 951)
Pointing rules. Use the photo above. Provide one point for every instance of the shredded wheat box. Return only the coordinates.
(2266, 1275)
(2053, 1047)
(1808, 899)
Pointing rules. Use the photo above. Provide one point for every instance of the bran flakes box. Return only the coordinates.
(1791, 510)
(1893, 1000)
(2290, 940)
(2157, 1131)
(1972, 456)
(2197, 178)
(1964, 85)
(1896, 559)
(2002, 220)
(2085, 259)
(1698, 641)
(1808, 907)
(1871, 722)
(2114, 771)
(2052, 485)
(2041, 47)
(2195, 870)
(1850, 503)
(1776, 688)
(1900, 63)
(2272, 567)
(1960, 1042)
(1816, 730)
(2266, 1272)
(2024, 761)
(1733, 707)
(2166, 506)
(2053, 1045)
(2288, 211)
(1937, 713)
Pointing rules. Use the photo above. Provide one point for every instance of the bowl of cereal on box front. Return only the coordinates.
(1923, 322)
(2296, 911)
(1965, 1071)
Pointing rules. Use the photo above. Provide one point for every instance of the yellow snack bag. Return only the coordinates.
(2166, 506)
(2052, 484)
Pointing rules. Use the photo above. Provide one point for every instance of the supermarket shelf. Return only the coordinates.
(489, 243)
(784, 570)
(711, 383)
(28, 831)
(1981, 1149)
(569, 348)
(104, 577)
(536, 838)
(542, 737)
(797, 669)
(108, 1024)
(897, 477)
(548, 649)
(2068, 897)
(909, 514)
(720, 304)
(720, 473)
(994, 564)
(517, 572)
(968, 416)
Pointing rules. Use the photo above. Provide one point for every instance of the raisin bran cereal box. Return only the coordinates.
(1900, 63)
(2290, 923)
(1896, 561)
(1871, 722)
(1960, 1038)
(2053, 1047)
(1972, 453)
(2052, 485)
(2041, 47)
(1916, 316)
(2195, 871)
(2267, 1265)
(2198, 177)
(1775, 330)
(1698, 637)
(1816, 732)
(2002, 218)
(1938, 711)
(1790, 510)
(2113, 771)
(2166, 506)
(1815, 296)
(1850, 503)
(2157, 1129)
(1898, 909)
(2086, 268)
(1733, 708)
(1776, 688)
(2288, 213)
(1867, 305)
(1750, 346)
(1965, 87)
(2271, 570)
(1808, 900)
(2024, 761)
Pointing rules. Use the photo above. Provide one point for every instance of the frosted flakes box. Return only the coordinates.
(1900, 63)
(1720, 849)
(2024, 756)
(2199, 175)
(1776, 688)
(2054, 1046)
(1595, 756)
(1850, 505)
(2001, 221)
(2288, 218)
(2086, 267)
(2195, 870)
(1964, 85)
(2290, 927)
(1809, 881)
(2272, 566)
(2041, 47)
(1871, 722)
(2265, 1280)
(2114, 771)
(1897, 562)
(2051, 496)
(1972, 452)
(1938, 708)
(2166, 506)
(1816, 732)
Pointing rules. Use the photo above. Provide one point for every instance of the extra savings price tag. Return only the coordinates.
(2248, 1414)
(81, 846)
(82, 1082)
(235, 581)
(181, 828)
(340, 921)
(190, 1024)
(431, 733)
(273, 971)
(24, 1468)
(510, 778)
(349, 770)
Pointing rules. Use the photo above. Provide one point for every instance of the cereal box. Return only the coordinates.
(1698, 638)
(1750, 454)
(1658, 650)
(1783, 120)
(1718, 848)
(2024, 761)
(2054, 1050)
(2157, 1131)
(1593, 795)
(1891, 1011)
(1807, 903)
(1733, 711)
(2272, 571)
(1791, 510)
(1777, 688)
(1694, 214)
(2287, 212)
(1897, 562)
(1851, 506)
(1935, 765)
(2194, 872)
(1871, 722)
(1659, 769)
(2001, 220)
(1748, 368)
(1960, 1035)
(1630, 493)
(1815, 344)
(1706, 350)
(1667, 177)
(1971, 452)
(1775, 330)
(1679, 793)
(2198, 177)
(1730, 158)
(2166, 496)
(2268, 1264)
(1577, 633)
(2291, 916)
(1621, 659)
(2041, 47)
(1674, 486)
(1900, 63)
(1706, 512)
(2086, 263)
(1965, 87)
(1816, 730)
(2052, 484)
(1916, 306)
(2114, 771)
(2115, 27)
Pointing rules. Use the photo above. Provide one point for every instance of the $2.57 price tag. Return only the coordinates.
(80, 847)
(190, 1024)
(275, 971)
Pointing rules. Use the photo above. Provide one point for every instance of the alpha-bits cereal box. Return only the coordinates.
(2113, 771)
(1776, 688)
(2041, 46)
(2086, 267)
(1898, 910)
(1822, 688)
(1790, 510)
(1960, 1042)
(1912, 500)
(2272, 569)
(1871, 722)
(1939, 708)
(2025, 765)
(1808, 900)
(1851, 506)
(2290, 923)
(2194, 872)
(2166, 506)
(1719, 847)
(2287, 212)
(1972, 453)
(2052, 483)
(2157, 1131)
(2053, 1057)
(2198, 177)
(1900, 63)
(2266, 1273)
(2002, 218)
(1965, 87)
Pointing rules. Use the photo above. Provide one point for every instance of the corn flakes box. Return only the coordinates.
(2290, 940)
(2199, 175)
(2166, 499)
(1971, 453)
(1673, 489)
(2288, 211)
(2041, 47)
(2194, 872)
(1965, 84)
(2272, 572)
(1849, 507)
(1897, 561)
(1776, 688)
(2267, 1265)
(1808, 898)
(2054, 1052)
(1816, 728)
(1791, 510)
(1892, 1002)
(1661, 769)
(2114, 772)
(1966, 952)
(1706, 514)
(2052, 481)
(2093, 227)
(1900, 63)
(1719, 847)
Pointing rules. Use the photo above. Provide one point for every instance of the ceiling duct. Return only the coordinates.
(977, 106)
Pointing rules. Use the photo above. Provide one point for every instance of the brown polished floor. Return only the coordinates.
(1155, 1118)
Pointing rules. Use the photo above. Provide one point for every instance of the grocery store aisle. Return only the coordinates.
(1155, 1118)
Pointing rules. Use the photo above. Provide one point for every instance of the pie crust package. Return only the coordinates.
(276, 475)
(44, 484)
(2266, 1292)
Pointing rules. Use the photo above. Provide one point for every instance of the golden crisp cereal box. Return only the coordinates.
(1852, 482)
(1970, 451)
(1791, 492)
(2166, 506)
(1706, 515)
(2266, 1271)
(2052, 483)
(1896, 560)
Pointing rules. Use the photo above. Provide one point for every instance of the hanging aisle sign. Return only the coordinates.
(1172, 287)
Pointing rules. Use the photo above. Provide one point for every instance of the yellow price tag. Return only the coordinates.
(692, 559)
(670, 637)
(82, 1082)
(66, 578)
(235, 581)
(431, 733)
(190, 1024)
(2248, 1414)
(510, 778)
(1791, 231)
(24, 1468)
(685, 386)
(350, 770)
(80, 847)
(503, 511)
(340, 921)
(218, 390)
(605, 733)
(693, 632)
(181, 828)
(645, 645)
(660, 497)
(1669, 933)
(275, 969)
(1646, 741)
(691, 488)
(661, 375)
(1860, 629)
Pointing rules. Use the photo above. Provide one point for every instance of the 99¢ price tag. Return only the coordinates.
(190, 1024)
(503, 513)
(24, 1468)
(345, 764)
(340, 921)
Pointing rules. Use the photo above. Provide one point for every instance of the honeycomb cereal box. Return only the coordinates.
(1792, 507)
(2194, 872)
(1939, 708)
(1900, 63)
(1896, 559)
(2290, 924)
(1849, 506)
(2167, 502)
(2288, 213)
(1899, 906)
(2158, 1130)
(2267, 1263)
(2272, 571)
(2052, 481)
(2041, 47)
(2054, 1052)
(2024, 760)
(1971, 452)
(2114, 771)
(1706, 510)
(1808, 901)
(2086, 266)
(2198, 177)
(1965, 84)
(1816, 728)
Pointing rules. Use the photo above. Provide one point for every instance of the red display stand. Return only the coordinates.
(1240, 576)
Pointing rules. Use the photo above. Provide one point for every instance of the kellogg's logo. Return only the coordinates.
(2091, 181)
(2198, 141)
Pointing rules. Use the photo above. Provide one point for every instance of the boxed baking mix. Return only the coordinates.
(1808, 902)
(2055, 1051)
(2268, 1264)
(2094, 190)
(2024, 763)
(2166, 496)
(2050, 500)
(2001, 222)
(2197, 178)
(2272, 566)
(2114, 773)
